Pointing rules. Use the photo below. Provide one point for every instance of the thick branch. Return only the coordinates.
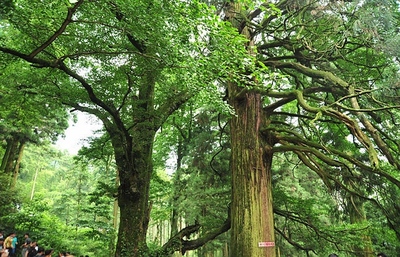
(62, 28)
(194, 244)
(178, 243)
(172, 105)
(374, 134)
(92, 111)
(89, 89)
(351, 124)
(312, 147)
(35, 61)
(292, 242)
(289, 96)
(309, 72)
(109, 53)
(139, 45)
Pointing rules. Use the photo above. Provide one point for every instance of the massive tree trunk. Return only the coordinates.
(133, 200)
(133, 149)
(252, 224)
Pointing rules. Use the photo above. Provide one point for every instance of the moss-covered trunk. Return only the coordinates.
(252, 222)
(21, 148)
(135, 166)
(133, 149)
(252, 225)
(357, 216)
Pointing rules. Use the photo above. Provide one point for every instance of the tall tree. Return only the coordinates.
(252, 219)
(132, 75)
(326, 76)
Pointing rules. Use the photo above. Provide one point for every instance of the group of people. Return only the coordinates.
(378, 255)
(30, 248)
(8, 244)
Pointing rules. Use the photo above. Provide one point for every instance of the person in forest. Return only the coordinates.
(40, 252)
(3, 253)
(333, 255)
(381, 255)
(32, 250)
(1, 240)
(25, 245)
(8, 242)
(48, 252)
(14, 244)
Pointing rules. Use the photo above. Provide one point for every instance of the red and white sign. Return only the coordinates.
(266, 244)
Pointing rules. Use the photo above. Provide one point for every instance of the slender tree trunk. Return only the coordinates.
(17, 164)
(115, 206)
(34, 182)
(225, 250)
(175, 199)
(175, 227)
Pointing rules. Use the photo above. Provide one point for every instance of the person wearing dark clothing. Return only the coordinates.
(32, 251)
(381, 255)
(40, 252)
(48, 252)
(25, 246)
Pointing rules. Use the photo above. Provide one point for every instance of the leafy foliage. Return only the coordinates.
(327, 72)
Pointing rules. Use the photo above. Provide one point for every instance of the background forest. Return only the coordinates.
(229, 128)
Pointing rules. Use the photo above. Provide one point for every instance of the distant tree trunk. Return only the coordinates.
(115, 206)
(357, 216)
(181, 149)
(7, 164)
(177, 185)
(252, 222)
(225, 250)
(17, 164)
(34, 184)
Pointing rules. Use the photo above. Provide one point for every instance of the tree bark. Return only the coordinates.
(135, 166)
(252, 226)
(252, 222)
(7, 164)
(133, 200)
(17, 163)
(357, 216)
